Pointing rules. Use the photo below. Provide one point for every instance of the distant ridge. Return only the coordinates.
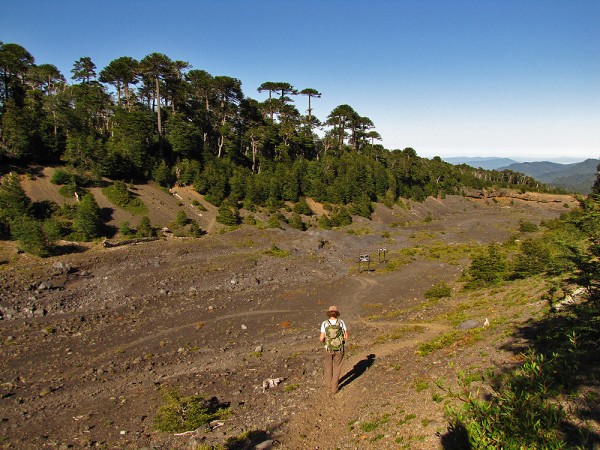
(574, 177)
(488, 163)
(577, 177)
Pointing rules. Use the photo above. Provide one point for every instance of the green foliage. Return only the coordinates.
(119, 195)
(340, 217)
(487, 268)
(249, 220)
(87, 222)
(125, 229)
(195, 230)
(163, 175)
(228, 214)
(324, 222)
(520, 412)
(527, 227)
(534, 258)
(13, 201)
(61, 176)
(440, 290)
(296, 222)
(144, 228)
(362, 207)
(302, 207)
(276, 251)
(181, 218)
(69, 190)
(179, 413)
(30, 235)
(273, 222)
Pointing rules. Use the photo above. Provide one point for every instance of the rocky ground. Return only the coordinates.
(91, 340)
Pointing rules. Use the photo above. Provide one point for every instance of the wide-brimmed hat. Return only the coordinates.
(333, 310)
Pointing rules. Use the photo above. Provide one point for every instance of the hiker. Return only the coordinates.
(333, 334)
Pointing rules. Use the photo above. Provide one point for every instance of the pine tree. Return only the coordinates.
(86, 223)
(13, 201)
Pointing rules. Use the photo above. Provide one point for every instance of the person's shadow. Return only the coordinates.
(358, 369)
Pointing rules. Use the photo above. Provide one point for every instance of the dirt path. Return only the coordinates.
(327, 416)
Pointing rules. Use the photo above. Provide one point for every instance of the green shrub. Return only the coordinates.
(276, 251)
(440, 290)
(273, 222)
(86, 223)
(120, 196)
(144, 228)
(181, 219)
(296, 222)
(199, 205)
(487, 268)
(195, 230)
(340, 217)
(249, 220)
(519, 413)
(30, 235)
(302, 208)
(125, 229)
(324, 222)
(534, 258)
(228, 215)
(179, 414)
(527, 227)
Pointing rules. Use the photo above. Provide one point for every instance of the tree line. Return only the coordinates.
(160, 119)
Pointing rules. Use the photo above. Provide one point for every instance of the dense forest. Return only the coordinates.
(162, 120)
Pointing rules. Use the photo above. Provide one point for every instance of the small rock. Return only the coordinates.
(244, 327)
(62, 267)
(259, 349)
(265, 445)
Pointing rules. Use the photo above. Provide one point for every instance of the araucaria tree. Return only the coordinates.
(159, 119)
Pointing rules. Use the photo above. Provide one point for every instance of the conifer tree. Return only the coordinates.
(86, 223)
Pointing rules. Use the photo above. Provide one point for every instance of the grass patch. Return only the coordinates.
(420, 384)
(448, 339)
(438, 291)
(277, 252)
(399, 333)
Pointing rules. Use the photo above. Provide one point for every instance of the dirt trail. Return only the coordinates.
(327, 416)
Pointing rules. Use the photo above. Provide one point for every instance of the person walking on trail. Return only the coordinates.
(334, 335)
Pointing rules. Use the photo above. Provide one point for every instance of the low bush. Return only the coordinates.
(179, 414)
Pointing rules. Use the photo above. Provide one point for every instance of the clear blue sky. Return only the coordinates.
(515, 78)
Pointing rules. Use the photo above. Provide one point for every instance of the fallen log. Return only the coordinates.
(108, 244)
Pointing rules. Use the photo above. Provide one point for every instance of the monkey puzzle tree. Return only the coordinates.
(121, 73)
(310, 93)
(84, 70)
(15, 61)
(229, 94)
(156, 66)
(46, 78)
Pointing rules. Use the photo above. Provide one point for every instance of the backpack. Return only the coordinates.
(334, 336)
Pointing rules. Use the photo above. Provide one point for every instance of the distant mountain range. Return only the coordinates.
(481, 162)
(576, 177)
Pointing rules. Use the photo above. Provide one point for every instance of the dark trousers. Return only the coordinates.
(333, 369)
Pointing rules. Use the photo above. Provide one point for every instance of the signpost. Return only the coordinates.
(364, 259)
(382, 251)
